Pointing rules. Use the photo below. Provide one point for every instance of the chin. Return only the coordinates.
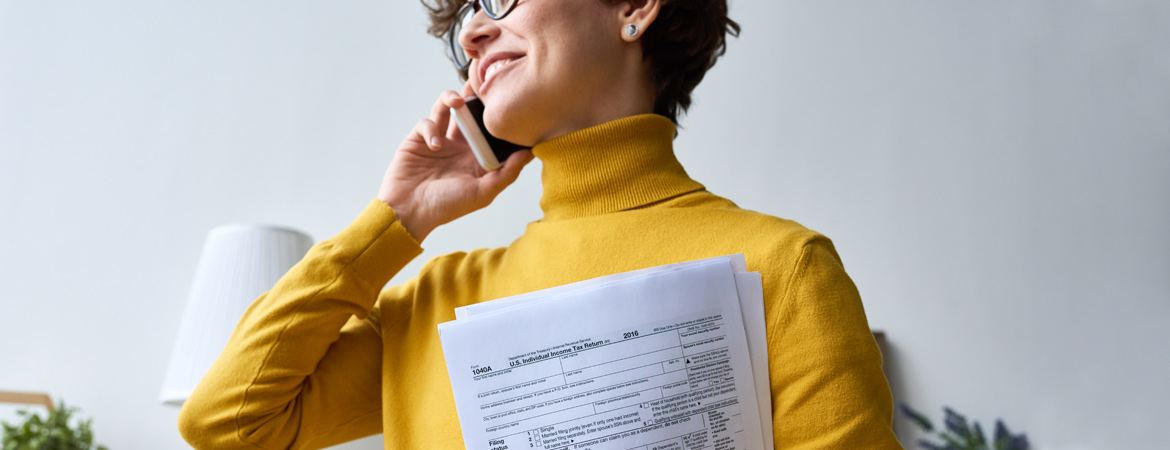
(507, 122)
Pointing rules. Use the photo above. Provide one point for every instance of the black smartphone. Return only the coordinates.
(489, 150)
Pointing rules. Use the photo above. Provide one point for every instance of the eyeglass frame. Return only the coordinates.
(453, 39)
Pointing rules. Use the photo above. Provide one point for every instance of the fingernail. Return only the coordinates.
(435, 141)
(453, 96)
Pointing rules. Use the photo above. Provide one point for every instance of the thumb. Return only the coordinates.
(495, 181)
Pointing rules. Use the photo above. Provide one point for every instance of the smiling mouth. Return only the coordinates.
(489, 73)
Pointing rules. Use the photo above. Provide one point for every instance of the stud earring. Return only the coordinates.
(631, 30)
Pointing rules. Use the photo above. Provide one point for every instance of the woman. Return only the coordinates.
(595, 88)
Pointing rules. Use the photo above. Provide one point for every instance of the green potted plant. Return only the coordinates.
(51, 433)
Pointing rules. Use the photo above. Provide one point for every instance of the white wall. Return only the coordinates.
(995, 175)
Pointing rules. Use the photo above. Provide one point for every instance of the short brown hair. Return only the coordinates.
(682, 44)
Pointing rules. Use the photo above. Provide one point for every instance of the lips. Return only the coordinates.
(494, 63)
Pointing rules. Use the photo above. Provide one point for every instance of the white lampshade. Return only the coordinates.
(238, 264)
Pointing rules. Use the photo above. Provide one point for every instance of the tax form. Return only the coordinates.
(654, 359)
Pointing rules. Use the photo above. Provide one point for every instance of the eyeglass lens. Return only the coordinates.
(494, 9)
(457, 51)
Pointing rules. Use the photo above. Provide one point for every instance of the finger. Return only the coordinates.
(455, 134)
(441, 111)
(497, 180)
(468, 90)
(429, 133)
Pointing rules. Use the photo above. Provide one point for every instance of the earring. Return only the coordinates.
(631, 30)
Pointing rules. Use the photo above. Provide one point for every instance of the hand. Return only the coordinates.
(434, 178)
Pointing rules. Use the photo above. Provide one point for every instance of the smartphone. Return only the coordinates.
(489, 150)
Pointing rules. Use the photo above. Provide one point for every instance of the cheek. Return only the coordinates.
(586, 45)
(566, 38)
(580, 65)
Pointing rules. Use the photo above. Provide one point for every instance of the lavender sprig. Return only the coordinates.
(958, 434)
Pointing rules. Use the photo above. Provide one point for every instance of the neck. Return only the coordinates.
(619, 165)
(628, 93)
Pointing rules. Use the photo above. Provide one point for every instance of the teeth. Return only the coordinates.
(494, 67)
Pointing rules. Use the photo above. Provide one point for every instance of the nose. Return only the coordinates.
(477, 32)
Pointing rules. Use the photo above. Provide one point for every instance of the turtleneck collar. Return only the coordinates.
(619, 165)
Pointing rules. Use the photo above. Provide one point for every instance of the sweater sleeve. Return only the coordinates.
(302, 368)
(828, 389)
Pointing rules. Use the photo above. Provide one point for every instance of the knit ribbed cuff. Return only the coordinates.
(381, 242)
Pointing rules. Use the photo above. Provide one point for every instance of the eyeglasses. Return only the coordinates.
(495, 9)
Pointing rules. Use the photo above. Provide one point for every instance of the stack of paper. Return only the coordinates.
(671, 357)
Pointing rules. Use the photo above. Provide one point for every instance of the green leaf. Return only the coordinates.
(952, 440)
(49, 433)
(979, 439)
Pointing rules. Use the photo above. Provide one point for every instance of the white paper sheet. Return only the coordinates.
(654, 360)
(751, 298)
(737, 261)
(751, 301)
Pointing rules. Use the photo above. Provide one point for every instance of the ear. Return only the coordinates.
(640, 14)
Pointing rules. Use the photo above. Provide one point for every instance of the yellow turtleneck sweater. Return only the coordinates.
(328, 355)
